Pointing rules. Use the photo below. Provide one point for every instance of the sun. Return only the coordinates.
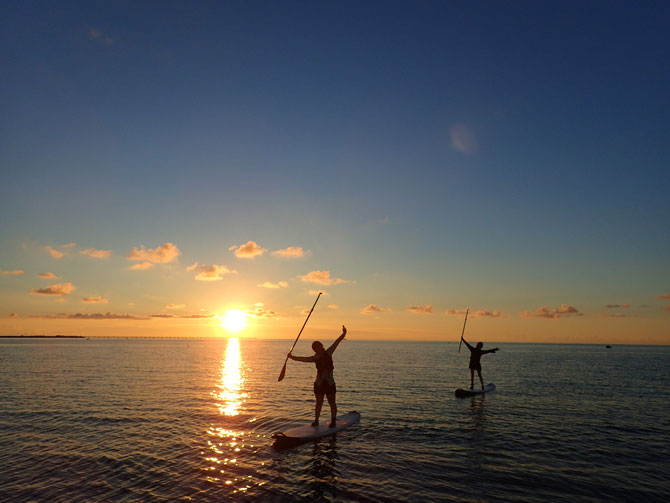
(233, 320)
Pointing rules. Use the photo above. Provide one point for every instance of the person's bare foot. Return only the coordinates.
(315, 423)
(332, 424)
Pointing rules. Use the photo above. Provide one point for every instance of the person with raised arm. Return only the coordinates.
(325, 382)
(475, 357)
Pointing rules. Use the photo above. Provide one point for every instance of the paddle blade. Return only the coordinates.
(282, 373)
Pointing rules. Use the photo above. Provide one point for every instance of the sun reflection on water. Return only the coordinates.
(225, 444)
(229, 392)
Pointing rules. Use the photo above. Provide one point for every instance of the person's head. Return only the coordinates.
(317, 347)
(480, 345)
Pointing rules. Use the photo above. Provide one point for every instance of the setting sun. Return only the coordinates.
(234, 320)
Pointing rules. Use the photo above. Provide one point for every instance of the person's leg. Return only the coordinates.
(472, 378)
(333, 409)
(479, 372)
(317, 408)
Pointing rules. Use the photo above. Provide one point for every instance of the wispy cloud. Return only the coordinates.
(16, 272)
(333, 306)
(260, 311)
(420, 309)
(162, 254)
(463, 139)
(175, 306)
(615, 306)
(98, 35)
(212, 272)
(141, 266)
(184, 316)
(92, 316)
(92, 252)
(94, 300)
(555, 313)
(53, 252)
(69, 245)
(322, 278)
(250, 250)
(59, 289)
(268, 284)
(451, 312)
(613, 315)
(485, 313)
(47, 275)
(192, 267)
(372, 308)
(291, 252)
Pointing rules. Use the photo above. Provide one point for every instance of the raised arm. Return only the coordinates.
(466, 343)
(302, 358)
(334, 345)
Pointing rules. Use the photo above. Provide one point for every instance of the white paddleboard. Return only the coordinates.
(305, 433)
(461, 393)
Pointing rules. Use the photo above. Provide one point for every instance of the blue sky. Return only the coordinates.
(500, 156)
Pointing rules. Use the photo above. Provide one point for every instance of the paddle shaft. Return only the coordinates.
(463, 332)
(283, 370)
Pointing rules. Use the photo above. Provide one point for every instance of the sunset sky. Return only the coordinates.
(164, 162)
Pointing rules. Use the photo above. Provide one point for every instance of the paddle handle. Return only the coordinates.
(283, 370)
(463, 331)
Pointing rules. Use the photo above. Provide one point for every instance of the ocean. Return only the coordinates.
(192, 420)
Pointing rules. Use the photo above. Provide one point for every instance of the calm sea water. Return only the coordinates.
(192, 420)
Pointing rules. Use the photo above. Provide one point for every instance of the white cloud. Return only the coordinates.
(59, 289)
(250, 250)
(162, 254)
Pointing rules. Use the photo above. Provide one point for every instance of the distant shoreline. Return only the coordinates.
(42, 337)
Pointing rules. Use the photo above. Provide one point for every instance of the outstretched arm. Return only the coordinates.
(302, 358)
(466, 343)
(334, 345)
(490, 350)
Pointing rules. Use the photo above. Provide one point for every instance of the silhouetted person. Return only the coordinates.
(476, 355)
(325, 382)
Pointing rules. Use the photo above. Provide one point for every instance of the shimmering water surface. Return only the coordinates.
(192, 420)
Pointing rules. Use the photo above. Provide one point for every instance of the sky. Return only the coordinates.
(165, 162)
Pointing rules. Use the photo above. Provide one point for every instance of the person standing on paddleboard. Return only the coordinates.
(476, 355)
(325, 382)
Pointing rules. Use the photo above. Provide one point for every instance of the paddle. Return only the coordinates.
(283, 370)
(463, 332)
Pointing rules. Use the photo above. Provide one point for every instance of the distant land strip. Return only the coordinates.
(42, 336)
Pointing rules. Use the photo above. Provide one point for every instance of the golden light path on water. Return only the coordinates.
(224, 442)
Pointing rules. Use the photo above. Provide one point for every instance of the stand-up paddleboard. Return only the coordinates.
(462, 393)
(301, 434)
